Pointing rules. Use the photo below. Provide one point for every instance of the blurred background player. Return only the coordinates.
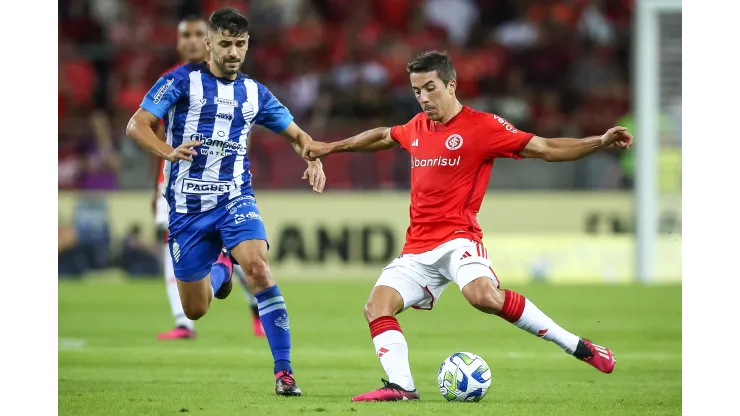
(191, 47)
(454, 144)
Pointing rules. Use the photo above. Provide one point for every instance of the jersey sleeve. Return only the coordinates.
(272, 113)
(402, 134)
(505, 140)
(163, 95)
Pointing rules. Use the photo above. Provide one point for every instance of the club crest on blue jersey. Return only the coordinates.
(248, 112)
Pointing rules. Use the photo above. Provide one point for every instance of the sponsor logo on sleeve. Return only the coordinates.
(163, 89)
(505, 123)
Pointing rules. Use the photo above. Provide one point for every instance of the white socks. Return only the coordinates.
(522, 313)
(393, 351)
(537, 323)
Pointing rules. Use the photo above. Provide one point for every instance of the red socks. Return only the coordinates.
(383, 324)
(513, 306)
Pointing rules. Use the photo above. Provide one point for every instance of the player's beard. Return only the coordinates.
(228, 68)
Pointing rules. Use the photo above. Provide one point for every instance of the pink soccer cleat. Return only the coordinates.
(600, 357)
(285, 385)
(257, 328)
(390, 392)
(177, 333)
(225, 288)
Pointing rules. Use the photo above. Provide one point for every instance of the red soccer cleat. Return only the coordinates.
(177, 333)
(257, 328)
(600, 357)
(390, 392)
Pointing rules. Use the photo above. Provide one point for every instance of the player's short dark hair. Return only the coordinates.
(433, 61)
(228, 20)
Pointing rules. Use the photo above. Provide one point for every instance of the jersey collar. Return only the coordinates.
(439, 127)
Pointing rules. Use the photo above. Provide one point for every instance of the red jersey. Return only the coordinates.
(160, 178)
(450, 168)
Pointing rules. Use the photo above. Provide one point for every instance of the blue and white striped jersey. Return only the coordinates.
(196, 105)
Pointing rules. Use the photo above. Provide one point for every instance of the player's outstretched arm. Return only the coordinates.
(565, 150)
(141, 129)
(300, 139)
(368, 141)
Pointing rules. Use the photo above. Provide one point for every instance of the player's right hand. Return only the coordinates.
(617, 137)
(184, 151)
(314, 150)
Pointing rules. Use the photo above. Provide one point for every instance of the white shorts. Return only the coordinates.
(162, 209)
(421, 278)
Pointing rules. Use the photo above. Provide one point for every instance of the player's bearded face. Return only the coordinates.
(228, 51)
(434, 97)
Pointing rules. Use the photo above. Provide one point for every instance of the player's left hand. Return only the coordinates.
(315, 175)
(617, 137)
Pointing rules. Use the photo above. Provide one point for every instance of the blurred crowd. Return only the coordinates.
(552, 67)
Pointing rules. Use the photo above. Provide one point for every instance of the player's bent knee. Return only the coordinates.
(252, 256)
(258, 275)
(483, 295)
(195, 311)
(373, 312)
(384, 301)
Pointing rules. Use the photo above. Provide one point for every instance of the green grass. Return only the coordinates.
(110, 363)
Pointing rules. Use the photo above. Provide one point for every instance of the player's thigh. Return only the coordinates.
(418, 286)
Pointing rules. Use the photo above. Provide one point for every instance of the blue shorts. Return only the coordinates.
(196, 239)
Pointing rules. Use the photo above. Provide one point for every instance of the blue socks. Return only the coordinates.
(274, 319)
(219, 274)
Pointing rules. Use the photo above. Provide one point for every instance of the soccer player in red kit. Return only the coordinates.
(453, 148)
(191, 46)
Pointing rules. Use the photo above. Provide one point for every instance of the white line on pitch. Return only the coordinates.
(71, 344)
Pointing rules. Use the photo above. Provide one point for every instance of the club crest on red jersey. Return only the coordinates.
(454, 142)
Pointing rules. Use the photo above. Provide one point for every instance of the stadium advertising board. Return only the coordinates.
(563, 237)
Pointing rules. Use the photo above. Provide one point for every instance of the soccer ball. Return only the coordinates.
(464, 377)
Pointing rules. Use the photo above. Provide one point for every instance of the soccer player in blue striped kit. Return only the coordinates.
(209, 109)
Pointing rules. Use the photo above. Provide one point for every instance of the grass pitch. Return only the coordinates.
(111, 364)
